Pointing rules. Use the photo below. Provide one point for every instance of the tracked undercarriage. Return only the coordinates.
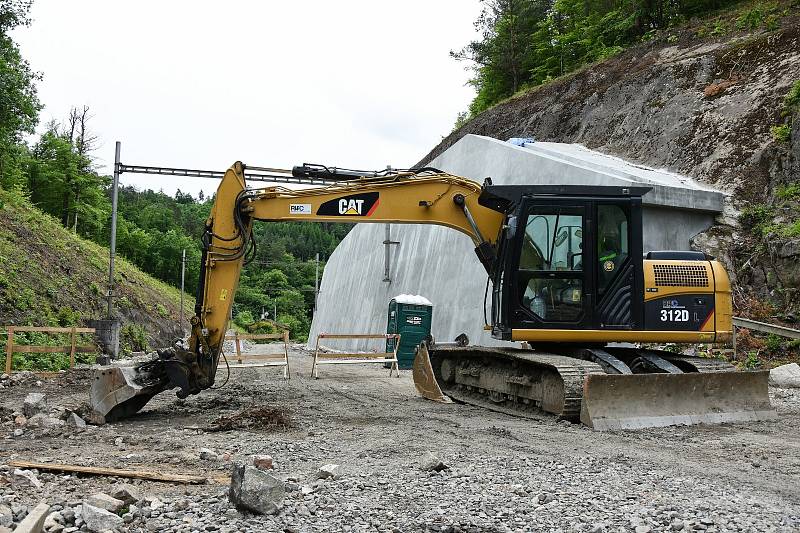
(605, 388)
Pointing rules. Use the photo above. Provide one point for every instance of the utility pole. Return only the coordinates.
(183, 278)
(113, 244)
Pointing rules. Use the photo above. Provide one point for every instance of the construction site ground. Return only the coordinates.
(504, 473)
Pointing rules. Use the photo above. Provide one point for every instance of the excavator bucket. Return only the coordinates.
(114, 388)
(615, 401)
(424, 378)
(120, 391)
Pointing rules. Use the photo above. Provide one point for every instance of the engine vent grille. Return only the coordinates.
(681, 275)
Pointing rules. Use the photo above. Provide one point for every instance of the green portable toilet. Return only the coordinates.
(410, 316)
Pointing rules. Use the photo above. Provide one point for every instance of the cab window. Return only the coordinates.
(612, 244)
(551, 263)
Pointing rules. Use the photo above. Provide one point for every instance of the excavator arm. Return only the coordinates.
(425, 196)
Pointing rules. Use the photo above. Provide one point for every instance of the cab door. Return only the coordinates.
(551, 277)
(617, 264)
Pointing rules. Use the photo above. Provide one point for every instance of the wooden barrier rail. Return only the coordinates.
(72, 349)
(353, 358)
(261, 360)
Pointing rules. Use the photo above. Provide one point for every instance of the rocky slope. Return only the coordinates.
(702, 106)
(51, 277)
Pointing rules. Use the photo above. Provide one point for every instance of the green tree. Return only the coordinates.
(19, 105)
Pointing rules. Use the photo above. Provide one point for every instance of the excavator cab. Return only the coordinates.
(566, 260)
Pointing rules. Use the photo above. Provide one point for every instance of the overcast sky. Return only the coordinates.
(200, 84)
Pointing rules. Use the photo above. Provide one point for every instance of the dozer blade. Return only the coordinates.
(655, 400)
(424, 378)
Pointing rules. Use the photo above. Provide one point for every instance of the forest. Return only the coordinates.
(525, 43)
(56, 172)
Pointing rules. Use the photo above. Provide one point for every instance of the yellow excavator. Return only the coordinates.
(571, 291)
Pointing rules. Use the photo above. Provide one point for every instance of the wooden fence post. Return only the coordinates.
(72, 349)
(286, 354)
(9, 348)
(238, 349)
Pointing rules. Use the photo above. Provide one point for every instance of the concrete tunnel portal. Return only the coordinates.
(440, 264)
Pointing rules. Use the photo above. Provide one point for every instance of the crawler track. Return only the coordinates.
(517, 382)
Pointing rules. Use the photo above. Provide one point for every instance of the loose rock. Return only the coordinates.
(262, 462)
(104, 501)
(432, 463)
(256, 490)
(34, 403)
(126, 492)
(329, 471)
(75, 421)
(785, 376)
(97, 519)
(207, 454)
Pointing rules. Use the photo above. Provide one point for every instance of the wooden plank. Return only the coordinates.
(267, 357)
(45, 329)
(9, 349)
(24, 348)
(354, 355)
(85, 349)
(115, 472)
(364, 336)
(256, 365)
(353, 361)
(256, 336)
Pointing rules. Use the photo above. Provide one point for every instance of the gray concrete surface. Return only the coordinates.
(440, 264)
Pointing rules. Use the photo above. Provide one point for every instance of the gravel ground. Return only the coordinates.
(504, 473)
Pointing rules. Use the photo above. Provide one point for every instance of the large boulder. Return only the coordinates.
(255, 490)
(785, 376)
(104, 501)
(98, 519)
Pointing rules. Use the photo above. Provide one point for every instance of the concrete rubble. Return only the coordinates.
(98, 519)
(255, 490)
(75, 421)
(104, 501)
(35, 403)
(432, 463)
(263, 462)
(785, 376)
(329, 471)
(126, 492)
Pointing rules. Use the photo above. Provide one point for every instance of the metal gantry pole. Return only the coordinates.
(183, 278)
(113, 244)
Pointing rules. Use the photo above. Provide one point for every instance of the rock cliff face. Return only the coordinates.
(700, 107)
